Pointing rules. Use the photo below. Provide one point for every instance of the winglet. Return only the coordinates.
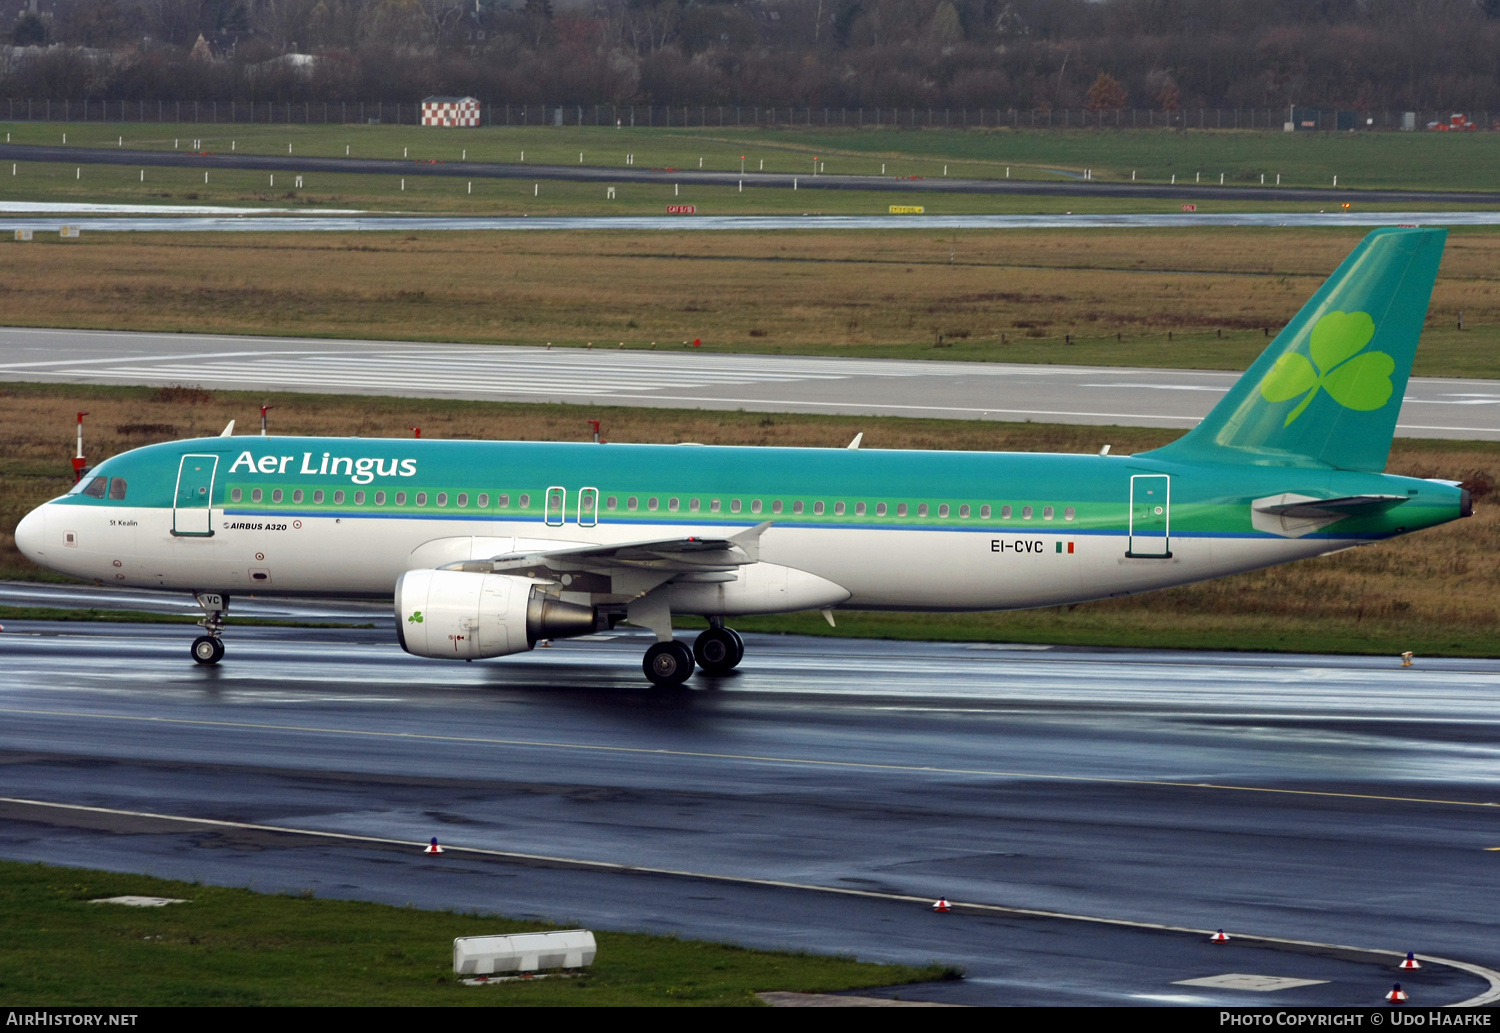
(748, 540)
(857, 439)
(228, 431)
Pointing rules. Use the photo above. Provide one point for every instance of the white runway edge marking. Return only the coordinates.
(1490, 996)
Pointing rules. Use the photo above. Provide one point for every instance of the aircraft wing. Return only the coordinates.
(690, 554)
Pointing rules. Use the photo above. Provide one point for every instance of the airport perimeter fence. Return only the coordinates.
(690, 116)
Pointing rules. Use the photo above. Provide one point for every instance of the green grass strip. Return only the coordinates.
(239, 948)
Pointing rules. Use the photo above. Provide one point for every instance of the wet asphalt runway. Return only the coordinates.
(1333, 800)
(681, 378)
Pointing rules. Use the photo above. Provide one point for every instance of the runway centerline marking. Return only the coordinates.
(1489, 996)
(811, 762)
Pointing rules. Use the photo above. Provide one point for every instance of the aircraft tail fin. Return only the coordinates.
(1329, 388)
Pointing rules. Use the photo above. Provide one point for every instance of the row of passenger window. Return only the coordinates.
(442, 498)
(819, 508)
(461, 500)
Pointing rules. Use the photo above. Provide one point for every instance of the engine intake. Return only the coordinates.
(464, 616)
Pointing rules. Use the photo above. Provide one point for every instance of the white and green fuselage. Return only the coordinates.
(488, 546)
(876, 529)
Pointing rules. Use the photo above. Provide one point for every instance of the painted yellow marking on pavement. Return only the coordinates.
(1490, 996)
(811, 762)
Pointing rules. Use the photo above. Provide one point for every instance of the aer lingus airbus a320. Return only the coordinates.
(489, 547)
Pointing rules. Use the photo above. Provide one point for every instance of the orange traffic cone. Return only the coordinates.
(1219, 937)
(942, 905)
(432, 848)
(1397, 995)
(1411, 962)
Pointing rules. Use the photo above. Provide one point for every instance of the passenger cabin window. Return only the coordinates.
(277, 496)
(838, 509)
(483, 502)
(734, 506)
(632, 503)
(1025, 512)
(525, 501)
(442, 498)
(235, 495)
(922, 509)
(713, 507)
(338, 498)
(318, 496)
(297, 495)
(776, 506)
(256, 495)
(943, 510)
(880, 509)
(96, 487)
(901, 509)
(695, 504)
(652, 503)
(755, 506)
(379, 498)
(117, 489)
(859, 509)
(984, 512)
(674, 504)
(963, 512)
(613, 502)
(400, 498)
(1069, 514)
(359, 498)
(463, 500)
(1004, 512)
(505, 501)
(797, 507)
(421, 498)
(817, 509)
(1046, 512)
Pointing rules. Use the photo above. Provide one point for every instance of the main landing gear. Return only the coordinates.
(208, 648)
(717, 650)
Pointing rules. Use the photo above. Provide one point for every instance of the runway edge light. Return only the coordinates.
(942, 905)
(432, 847)
(1219, 937)
(1410, 963)
(1397, 995)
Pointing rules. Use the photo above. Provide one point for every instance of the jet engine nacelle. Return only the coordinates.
(457, 615)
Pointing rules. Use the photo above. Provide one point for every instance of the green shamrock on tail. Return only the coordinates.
(1355, 381)
(415, 618)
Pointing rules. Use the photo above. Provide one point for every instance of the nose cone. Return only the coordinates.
(31, 533)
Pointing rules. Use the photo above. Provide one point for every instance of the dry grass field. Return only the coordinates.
(1088, 296)
(1437, 592)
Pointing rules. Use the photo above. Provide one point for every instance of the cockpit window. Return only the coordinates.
(117, 489)
(96, 487)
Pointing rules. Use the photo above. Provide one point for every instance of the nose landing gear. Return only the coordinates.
(208, 648)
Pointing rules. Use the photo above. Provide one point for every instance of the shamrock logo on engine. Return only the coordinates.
(415, 618)
(1353, 378)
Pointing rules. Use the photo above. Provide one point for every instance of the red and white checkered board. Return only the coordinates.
(465, 113)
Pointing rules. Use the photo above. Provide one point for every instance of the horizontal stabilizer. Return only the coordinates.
(1296, 515)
